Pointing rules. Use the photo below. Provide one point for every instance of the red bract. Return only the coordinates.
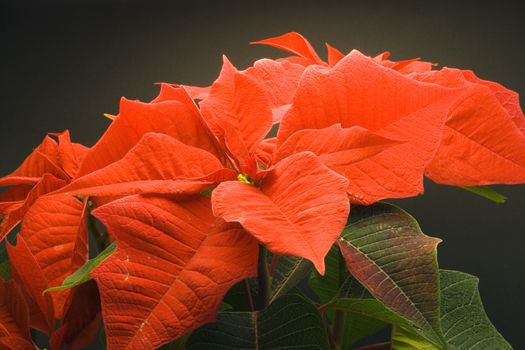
(355, 129)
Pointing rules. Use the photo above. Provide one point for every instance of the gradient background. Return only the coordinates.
(63, 65)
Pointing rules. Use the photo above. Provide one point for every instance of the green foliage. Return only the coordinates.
(486, 192)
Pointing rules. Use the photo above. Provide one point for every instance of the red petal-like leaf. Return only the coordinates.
(14, 318)
(70, 154)
(358, 91)
(10, 216)
(173, 264)
(338, 148)
(27, 272)
(279, 79)
(239, 111)
(300, 208)
(177, 117)
(55, 232)
(81, 322)
(334, 55)
(44, 159)
(157, 164)
(295, 43)
(482, 141)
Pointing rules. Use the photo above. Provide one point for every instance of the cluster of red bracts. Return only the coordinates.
(354, 129)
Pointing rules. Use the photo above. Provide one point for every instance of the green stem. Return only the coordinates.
(248, 294)
(331, 340)
(263, 277)
(339, 327)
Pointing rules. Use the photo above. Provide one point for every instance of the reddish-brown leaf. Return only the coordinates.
(174, 113)
(173, 264)
(300, 209)
(295, 43)
(158, 163)
(358, 91)
(14, 318)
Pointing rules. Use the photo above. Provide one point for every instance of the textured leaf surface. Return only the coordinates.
(175, 115)
(10, 216)
(300, 209)
(358, 91)
(158, 163)
(295, 43)
(386, 251)
(338, 148)
(173, 264)
(404, 340)
(289, 272)
(291, 322)
(83, 274)
(482, 140)
(14, 318)
(238, 110)
(55, 232)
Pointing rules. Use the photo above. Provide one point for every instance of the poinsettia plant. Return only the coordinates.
(248, 214)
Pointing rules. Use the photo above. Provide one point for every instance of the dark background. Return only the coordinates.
(64, 64)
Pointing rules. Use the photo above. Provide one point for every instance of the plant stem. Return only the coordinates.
(331, 340)
(263, 277)
(376, 346)
(339, 327)
(274, 263)
(248, 294)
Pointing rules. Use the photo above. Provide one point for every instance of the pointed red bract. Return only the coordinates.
(173, 264)
(54, 231)
(27, 272)
(14, 318)
(358, 91)
(482, 141)
(295, 43)
(334, 55)
(70, 154)
(338, 148)
(177, 117)
(239, 113)
(300, 208)
(158, 163)
(11, 215)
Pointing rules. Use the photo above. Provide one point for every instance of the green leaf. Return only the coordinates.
(463, 319)
(486, 192)
(404, 340)
(326, 287)
(290, 322)
(289, 272)
(388, 254)
(82, 275)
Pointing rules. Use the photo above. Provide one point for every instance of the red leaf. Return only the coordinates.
(55, 232)
(81, 322)
(11, 215)
(279, 80)
(334, 55)
(70, 154)
(173, 264)
(27, 272)
(358, 91)
(14, 314)
(300, 208)
(336, 147)
(295, 43)
(156, 164)
(239, 112)
(482, 141)
(177, 117)
(44, 159)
